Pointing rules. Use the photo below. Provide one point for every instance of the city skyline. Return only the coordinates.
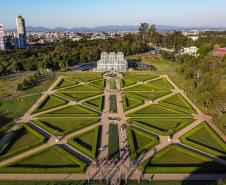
(92, 13)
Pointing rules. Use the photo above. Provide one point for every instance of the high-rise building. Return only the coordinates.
(2, 40)
(20, 37)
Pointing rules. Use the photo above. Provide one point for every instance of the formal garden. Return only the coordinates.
(72, 111)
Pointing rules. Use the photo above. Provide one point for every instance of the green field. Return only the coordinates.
(113, 104)
(87, 142)
(52, 160)
(130, 103)
(64, 126)
(50, 102)
(161, 126)
(178, 102)
(96, 103)
(139, 141)
(113, 141)
(77, 96)
(204, 138)
(158, 111)
(112, 84)
(23, 139)
(71, 111)
(176, 159)
(147, 95)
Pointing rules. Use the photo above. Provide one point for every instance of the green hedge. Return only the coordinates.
(41, 106)
(80, 169)
(25, 148)
(207, 166)
(85, 150)
(130, 103)
(136, 153)
(184, 139)
(113, 142)
(156, 129)
(52, 130)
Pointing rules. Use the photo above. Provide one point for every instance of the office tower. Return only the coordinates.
(2, 41)
(20, 38)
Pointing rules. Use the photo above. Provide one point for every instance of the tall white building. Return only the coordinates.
(2, 41)
(112, 62)
(20, 38)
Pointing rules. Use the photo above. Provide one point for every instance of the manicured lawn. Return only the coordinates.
(96, 103)
(80, 88)
(158, 111)
(23, 139)
(87, 142)
(139, 141)
(143, 88)
(99, 84)
(112, 84)
(161, 83)
(113, 104)
(71, 111)
(65, 83)
(113, 141)
(71, 95)
(52, 160)
(178, 102)
(161, 126)
(12, 108)
(130, 103)
(49, 103)
(147, 95)
(204, 138)
(176, 159)
(64, 126)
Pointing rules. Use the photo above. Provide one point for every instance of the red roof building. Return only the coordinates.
(220, 52)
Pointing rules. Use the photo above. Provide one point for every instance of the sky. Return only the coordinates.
(92, 13)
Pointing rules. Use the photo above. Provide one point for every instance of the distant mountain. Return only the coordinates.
(107, 28)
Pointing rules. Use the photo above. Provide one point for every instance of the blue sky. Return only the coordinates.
(91, 13)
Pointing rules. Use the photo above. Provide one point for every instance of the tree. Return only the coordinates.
(19, 87)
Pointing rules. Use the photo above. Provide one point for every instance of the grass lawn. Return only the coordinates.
(204, 138)
(161, 83)
(96, 103)
(113, 104)
(178, 102)
(113, 141)
(139, 141)
(161, 126)
(99, 84)
(50, 102)
(71, 111)
(130, 103)
(176, 159)
(80, 95)
(52, 160)
(23, 139)
(64, 126)
(65, 83)
(12, 108)
(87, 142)
(80, 88)
(147, 95)
(143, 88)
(10, 98)
(112, 84)
(158, 111)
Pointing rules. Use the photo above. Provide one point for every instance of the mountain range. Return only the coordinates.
(108, 28)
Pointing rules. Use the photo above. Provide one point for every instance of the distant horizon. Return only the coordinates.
(94, 13)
